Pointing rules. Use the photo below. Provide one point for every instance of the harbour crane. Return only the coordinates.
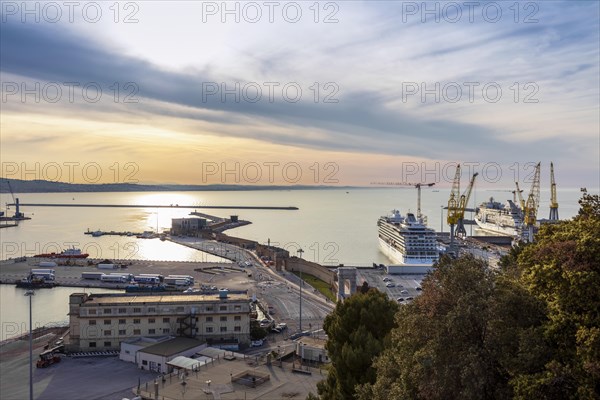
(18, 214)
(521, 201)
(464, 200)
(553, 199)
(532, 204)
(453, 203)
(514, 192)
(416, 185)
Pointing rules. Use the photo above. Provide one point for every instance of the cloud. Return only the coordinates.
(370, 53)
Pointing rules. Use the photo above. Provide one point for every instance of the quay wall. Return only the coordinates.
(295, 264)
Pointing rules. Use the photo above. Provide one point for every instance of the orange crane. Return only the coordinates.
(553, 199)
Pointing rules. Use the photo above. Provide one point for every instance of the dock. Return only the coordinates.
(232, 207)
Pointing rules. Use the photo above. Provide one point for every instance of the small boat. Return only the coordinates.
(32, 282)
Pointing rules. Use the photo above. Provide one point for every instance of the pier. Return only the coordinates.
(233, 207)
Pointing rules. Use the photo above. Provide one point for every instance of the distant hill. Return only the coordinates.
(42, 186)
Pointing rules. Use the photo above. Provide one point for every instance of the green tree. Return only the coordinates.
(460, 339)
(562, 269)
(256, 332)
(356, 330)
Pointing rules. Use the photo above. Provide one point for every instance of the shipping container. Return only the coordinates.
(92, 275)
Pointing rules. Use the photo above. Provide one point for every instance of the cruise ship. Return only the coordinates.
(504, 219)
(407, 240)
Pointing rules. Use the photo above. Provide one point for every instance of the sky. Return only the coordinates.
(317, 93)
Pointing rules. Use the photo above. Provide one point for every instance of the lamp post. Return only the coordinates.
(441, 218)
(29, 294)
(300, 251)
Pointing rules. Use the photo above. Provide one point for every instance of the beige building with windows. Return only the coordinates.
(101, 322)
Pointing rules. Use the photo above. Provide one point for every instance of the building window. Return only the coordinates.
(122, 310)
(166, 320)
(223, 308)
(92, 344)
(122, 321)
(237, 318)
(107, 322)
(223, 318)
(151, 320)
(136, 321)
(107, 332)
(107, 344)
(92, 322)
(137, 332)
(137, 310)
(151, 309)
(209, 329)
(108, 311)
(92, 311)
(122, 332)
(166, 330)
(151, 331)
(209, 308)
(223, 329)
(237, 329)
(208, 319)
(179, 309)
(237, 308)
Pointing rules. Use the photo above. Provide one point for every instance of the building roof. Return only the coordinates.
(139, 298)
(172, 347)
(185, 363)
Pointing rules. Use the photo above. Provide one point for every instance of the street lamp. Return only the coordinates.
(29, 294)
(300, 251)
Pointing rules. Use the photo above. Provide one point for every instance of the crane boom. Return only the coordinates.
(464, 200)
(533, 200)
(553, 199)
(416, 185)
(454, 199)
(521, 201)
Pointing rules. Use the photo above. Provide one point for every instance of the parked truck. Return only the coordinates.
(114, 278)
(46, 274)
(107, 266)
(92, 275)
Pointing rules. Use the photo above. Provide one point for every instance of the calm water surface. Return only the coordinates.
(331, 226)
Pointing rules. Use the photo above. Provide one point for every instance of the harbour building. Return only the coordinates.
(100, 322)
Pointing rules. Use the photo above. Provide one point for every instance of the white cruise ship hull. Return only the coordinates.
(497, 229)
(398, 258)
(391, 252)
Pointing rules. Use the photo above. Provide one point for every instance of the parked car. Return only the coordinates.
(400, 299)
(390, 284)
(404, 291)
(257, 343)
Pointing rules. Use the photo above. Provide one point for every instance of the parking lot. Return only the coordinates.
(406, 286)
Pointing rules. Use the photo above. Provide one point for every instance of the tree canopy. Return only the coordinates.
(530, 330)
(356, 330)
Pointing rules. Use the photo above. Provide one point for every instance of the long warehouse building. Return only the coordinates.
(101, 322)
